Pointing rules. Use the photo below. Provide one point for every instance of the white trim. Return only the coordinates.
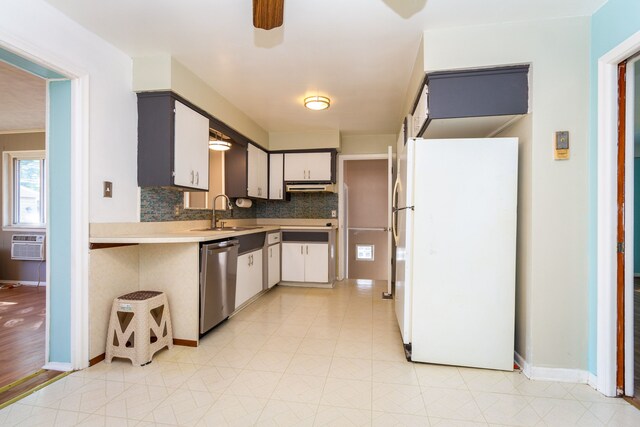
(79, 192)
(552, 374)
(592, 381)
(341, 219)
(12, 132)
(57, 366)
(25, 282)
(607, 207)
(629, 232)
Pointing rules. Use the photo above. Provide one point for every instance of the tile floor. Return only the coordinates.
(302, 357)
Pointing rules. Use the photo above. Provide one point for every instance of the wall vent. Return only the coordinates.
(27, 247)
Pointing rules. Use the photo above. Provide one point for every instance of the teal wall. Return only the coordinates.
(59, 163)
(613, 23)
(60, 220)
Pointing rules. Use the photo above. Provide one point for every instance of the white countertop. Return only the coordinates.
(195, 235)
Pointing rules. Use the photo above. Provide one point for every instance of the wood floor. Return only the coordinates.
(22, 332)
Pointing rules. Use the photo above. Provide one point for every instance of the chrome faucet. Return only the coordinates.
(214, 219)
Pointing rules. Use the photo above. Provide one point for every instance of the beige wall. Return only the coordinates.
(304, 140)
(555, 269)
(367, 144)
(522, 130)
(417, 76)
(165, 73)
(10, 269)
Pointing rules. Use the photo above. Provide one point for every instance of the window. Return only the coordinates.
(364, 252)
(24, 189)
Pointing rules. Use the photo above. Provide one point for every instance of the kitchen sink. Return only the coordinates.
(227, 229)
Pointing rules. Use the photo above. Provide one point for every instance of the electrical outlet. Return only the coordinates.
(334, 214)
(107, 189)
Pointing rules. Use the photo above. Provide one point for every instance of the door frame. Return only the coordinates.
(342, 241)
(79, 200)
(607, 142)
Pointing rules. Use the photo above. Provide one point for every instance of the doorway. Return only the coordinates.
(615, 356)
(365, 219)
(65, 174)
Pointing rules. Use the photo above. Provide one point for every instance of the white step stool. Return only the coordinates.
(139, 326)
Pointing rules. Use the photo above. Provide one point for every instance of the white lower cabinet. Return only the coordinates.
(273, 266)
(249, 278)
(305, 262)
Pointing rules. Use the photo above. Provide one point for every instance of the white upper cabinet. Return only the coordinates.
(191, 148)
(276, 176)
(257, 172)
(307, 167)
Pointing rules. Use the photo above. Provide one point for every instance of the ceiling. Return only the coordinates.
(23, 100)
(358, 52)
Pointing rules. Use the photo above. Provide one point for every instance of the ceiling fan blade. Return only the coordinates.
(268, 14)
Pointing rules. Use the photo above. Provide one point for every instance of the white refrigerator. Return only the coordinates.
(455, 209)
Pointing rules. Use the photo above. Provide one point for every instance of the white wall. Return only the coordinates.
(558, 51)
(112, 135)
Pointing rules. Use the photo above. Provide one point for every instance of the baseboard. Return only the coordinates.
(185, 343)
(58, 366)
(553, 374)
(24, 282)
(593, 381)
(99, 358)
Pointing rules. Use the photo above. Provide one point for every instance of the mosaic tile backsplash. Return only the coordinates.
(167, 204)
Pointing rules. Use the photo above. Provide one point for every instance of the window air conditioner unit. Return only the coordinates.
(27, 247)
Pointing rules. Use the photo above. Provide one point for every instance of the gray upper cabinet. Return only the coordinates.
(173, 143)
(459, 94)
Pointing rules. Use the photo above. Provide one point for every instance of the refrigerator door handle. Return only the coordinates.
(394, 230)
(395, 194)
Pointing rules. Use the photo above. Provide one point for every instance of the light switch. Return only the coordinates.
(561, 145)
(107, 189)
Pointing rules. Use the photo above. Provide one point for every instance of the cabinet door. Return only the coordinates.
(307, 167)
(252, 171)
(249, 278)
(257, 172)
(318, 166)
(191, 148)
(293, 262)
(276, 176)
(295, 167)
(243, 279)
(257, 273)
(273, 254)
(316, 262)
(263, 174)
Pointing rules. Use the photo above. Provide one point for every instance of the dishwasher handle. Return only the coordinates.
(221, 245)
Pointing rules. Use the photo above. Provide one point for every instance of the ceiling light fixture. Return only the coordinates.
(317, 102)
(217, 143)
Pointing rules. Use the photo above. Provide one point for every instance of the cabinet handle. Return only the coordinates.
(249, 260)
(270, 252)
(309, 173)
(192, 177)
(197, 178)
(280, 193)
(307, 249)
(302, 249)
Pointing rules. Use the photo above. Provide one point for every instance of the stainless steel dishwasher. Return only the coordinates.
(218, 266)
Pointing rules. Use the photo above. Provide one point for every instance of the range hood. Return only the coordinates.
(310, 188)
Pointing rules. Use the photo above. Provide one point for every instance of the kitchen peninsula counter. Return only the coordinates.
(127, 257)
